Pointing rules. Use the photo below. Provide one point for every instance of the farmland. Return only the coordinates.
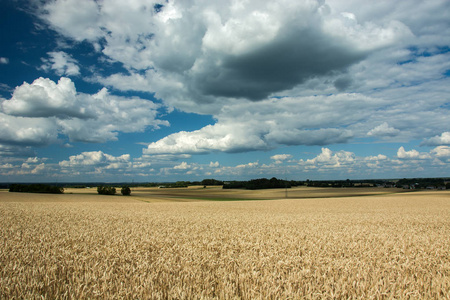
(367, 243)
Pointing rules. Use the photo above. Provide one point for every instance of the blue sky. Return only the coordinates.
(187, 90)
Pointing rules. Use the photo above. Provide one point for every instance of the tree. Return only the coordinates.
(126, 191)
(106, 190)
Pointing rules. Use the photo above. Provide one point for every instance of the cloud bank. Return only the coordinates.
(208, 52)
(274, 73)
(271, 74)
(38, 112)
(327, 164)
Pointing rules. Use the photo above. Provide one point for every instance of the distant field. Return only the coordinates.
(198, 193)
(318, 244)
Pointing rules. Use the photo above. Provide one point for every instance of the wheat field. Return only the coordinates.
(82, 245)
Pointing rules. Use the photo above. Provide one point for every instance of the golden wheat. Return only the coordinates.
(379, 247)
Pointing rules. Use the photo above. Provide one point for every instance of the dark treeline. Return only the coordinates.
(261, 183)
(36, 188)
(424, 183)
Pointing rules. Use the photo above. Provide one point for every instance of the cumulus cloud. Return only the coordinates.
(441, 152)
(27, 131)
(76, 19)
(412, 154)
(310, 120)
(443, 139)
(214, 164)
(425, 28)
(280, 157)
(94, 158)
(230, 50)
(288, 121)
(38, 112)
(248, 165)
(4, 60)
(325, 165)
(183, 166)
(271, 73)
(345, 163)
(329, 159)
(26, 166)
(95, 162)
(46, 98)
(62, 63)
(383, 130)
(226, 138)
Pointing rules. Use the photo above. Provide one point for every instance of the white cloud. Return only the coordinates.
(30, 166)
(230, 50)
(139, 165)
(329, 160)
(27, 131)
(308, 120)
(280, 157)
(96, 163)
(38, 112)
(289, 121)
(383, 130)
(93, 158)
(270, 72)
(441, 152)
(227, 138)
(214, 164)
(249, 165)
(344, 163)
(376, 158)
(428, 20)
(326, 165)
(4, 60)
(62, 63)
(367, 35)
(182, 166)
(443, 139)
(45, 98)
(76, 19)
(32, 159)
(38, 169)
(412, 154)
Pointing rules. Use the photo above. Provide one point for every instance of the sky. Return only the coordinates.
(157, 91)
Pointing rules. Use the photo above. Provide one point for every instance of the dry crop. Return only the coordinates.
(373, 247)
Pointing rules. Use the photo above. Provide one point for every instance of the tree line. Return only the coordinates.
(261, 183)
(253, 184)
(36, 188)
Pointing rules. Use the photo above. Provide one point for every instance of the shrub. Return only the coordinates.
(106, 190)
(126, 191)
